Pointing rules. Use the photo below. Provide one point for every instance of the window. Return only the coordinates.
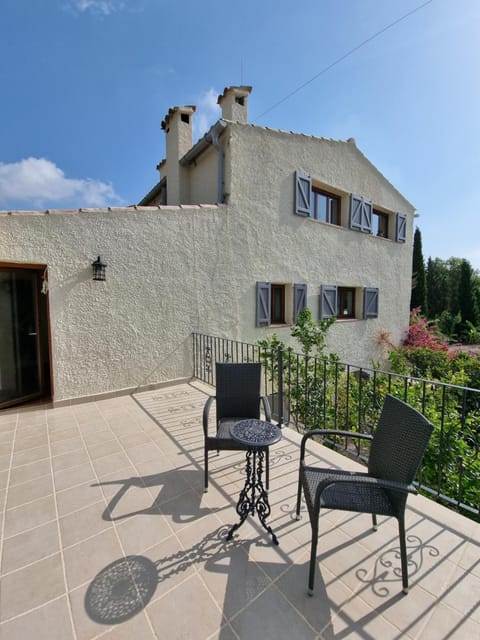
(346, 303)
(313, 202)
(380, 224)
(279, 303)
(324, 206)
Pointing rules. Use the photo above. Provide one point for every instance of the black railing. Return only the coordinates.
(308, 393)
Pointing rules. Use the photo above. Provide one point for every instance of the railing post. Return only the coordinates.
(280, 385)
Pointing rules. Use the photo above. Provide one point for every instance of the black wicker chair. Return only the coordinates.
(396, 451)
(237, 398)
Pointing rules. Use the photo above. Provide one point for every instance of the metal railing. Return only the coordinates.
(307, 393)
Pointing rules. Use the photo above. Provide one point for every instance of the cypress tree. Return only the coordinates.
(465, 293)
(419, 281)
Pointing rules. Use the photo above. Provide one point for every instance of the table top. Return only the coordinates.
(255, 433)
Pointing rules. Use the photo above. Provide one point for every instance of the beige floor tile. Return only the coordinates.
(140, 532)
(29, 515)
(78, 497)
(30, 471)
(199, 620)
(70, 459)
(30, 546)
(28, 491)
(86, 626)
(105, 449)
(5, 462)
(84, 523)
(30, 442)
(98, 437)
(31, 586)
(144, 452)
(463, 594)
(276, 619)
(109, 602)
(50, 622)
(68, 478)
(66, 446)
(30, 455)
(84, 560)
(64, 434)
(138, 628)
(134, 439)
(6, 448)
(108, 464)
(448, 624)
(172, 564)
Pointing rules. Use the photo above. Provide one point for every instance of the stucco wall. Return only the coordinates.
(173, 270)
(135, 328)
(202, 178)
(274, 245)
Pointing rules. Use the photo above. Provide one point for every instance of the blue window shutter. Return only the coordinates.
(299, 299)
(303, 187)
(401, 234)
(361, 214)
(370, 302)
(263, 304)
(328, 301)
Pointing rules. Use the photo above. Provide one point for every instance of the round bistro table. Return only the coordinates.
(256, 435)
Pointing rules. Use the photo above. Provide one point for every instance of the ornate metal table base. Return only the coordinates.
(253, 497)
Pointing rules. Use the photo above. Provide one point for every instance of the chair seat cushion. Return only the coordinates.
(348, 495)
(223, 439)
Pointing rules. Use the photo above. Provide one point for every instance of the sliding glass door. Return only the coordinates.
(20, 357)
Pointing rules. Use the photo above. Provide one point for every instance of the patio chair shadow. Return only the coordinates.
(126, 586)
(171, 484)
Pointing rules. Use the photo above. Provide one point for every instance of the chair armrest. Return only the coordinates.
(327, 432)
(266, 408)
(206, 411)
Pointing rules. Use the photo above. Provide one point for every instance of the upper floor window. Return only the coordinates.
(380, 224)
(324, 206)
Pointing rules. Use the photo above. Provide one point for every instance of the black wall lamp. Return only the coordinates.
(99, 269)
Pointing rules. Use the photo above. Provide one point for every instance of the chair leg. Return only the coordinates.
(299, 497)
(313, 559)
(403, 554)
(205, 478)
(374, 521)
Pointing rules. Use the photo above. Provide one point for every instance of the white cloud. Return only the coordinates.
(99, 7)
(207, 113)
(39, 183)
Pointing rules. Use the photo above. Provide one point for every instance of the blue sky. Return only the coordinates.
(86, 83)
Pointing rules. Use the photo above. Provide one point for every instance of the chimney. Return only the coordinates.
(234, 103)
(177, 125)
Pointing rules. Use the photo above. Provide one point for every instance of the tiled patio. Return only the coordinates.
(84, 486)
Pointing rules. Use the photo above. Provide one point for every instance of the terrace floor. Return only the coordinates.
(106, 533)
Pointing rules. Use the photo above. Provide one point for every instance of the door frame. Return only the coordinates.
(42, 311)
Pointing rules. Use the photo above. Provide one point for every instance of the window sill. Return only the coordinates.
(279, 326)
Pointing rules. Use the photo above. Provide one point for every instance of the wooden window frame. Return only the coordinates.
(342, 292)
(274, 288)
(318, 191)
(378, 217)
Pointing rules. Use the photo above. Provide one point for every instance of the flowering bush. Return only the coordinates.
(422, 334)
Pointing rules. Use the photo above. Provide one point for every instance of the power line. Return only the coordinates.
(345, 55)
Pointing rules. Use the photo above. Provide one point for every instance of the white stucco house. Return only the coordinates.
(243, 229)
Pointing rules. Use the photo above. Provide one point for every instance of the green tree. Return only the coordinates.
(419, 282)
(437, 288)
